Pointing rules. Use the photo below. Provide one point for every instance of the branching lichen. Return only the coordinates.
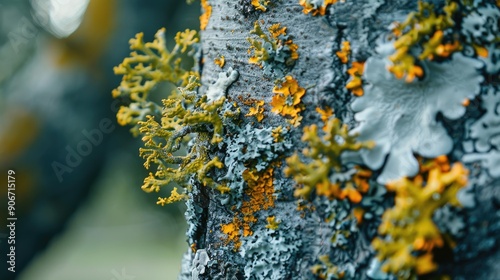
(316, 7)
(326, 173)
(409, 233)
(275, 53)
(260, 5)
(205, 16)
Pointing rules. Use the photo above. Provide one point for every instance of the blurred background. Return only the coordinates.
(80, 211)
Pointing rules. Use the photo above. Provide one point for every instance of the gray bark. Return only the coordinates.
(290, 251)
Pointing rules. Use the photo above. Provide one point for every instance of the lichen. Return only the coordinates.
(220, 61)
(205, 16)
(270, 254)
(316, 7)
(148, 65)
(274, 53)
(326, 173)
(345, 52)
(409, 233)
(401, 117)
(287, 100)
(485, 134)
(260, 5)
(423, 29)
(257, 110)
(355, 82)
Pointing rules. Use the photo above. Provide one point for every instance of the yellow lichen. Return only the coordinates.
(314, 9)
(355, 83)
(260, 5)
(425, 27)
(174, 197)
(272, 223)
(232, 232)
(324, 154)
(344, 52)
(327, 270)
(408, 229)
(257, 110)
(220, 61)
(287, 100)
(277, 40)
(205, 16)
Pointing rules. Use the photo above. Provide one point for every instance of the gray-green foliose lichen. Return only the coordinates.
(255, 147)
(269, 253)
(485, 135)
(401, 117)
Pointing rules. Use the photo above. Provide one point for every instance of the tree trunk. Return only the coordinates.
(323, 203)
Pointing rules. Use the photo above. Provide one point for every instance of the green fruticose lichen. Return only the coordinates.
(150, 64)
(409, 233)
(274, 53)
(187, 119)
(326, 173)
(433, 33)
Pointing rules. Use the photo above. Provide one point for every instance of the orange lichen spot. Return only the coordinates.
(358, 213)
(355, 84)
(257, 110)
(287, 100)
(221, 60)
(278, 134)
(313, 8)
(466, 102)
(272, 223)
(325, 114)
(260, 5)
(232, 232)
(205, 16)
(223, 188)
(409, 232)
(344, 52)
(481, 51)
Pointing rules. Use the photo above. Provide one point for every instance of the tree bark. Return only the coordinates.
(302, 236)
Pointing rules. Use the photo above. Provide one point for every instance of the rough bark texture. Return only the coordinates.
(303, 236)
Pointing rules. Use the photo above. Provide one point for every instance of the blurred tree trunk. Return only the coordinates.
(303, 236)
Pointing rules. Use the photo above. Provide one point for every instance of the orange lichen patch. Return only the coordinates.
(409, 232)
(344, 52)
(358, 213)
(174, 197)
(221, 60)
(276, 30)
(435, 46)
(272, 223)
(355, 84)
(466, 102)
(481, 51)
(259, 195)
(232, 231)
(205, 16)
(260, 5)
(257, 110)
(325, 114)
(287, 100)
(315, 10)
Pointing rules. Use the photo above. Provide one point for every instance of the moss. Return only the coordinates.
(409, 232)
